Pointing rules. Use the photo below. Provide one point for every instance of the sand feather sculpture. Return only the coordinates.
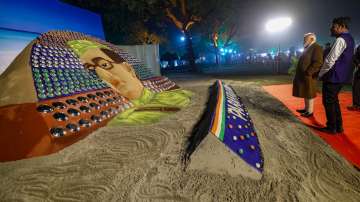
(64, 85)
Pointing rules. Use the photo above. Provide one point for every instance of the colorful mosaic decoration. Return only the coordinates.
(59, 39)
(232, 125)
(57, 72)
(158, 84)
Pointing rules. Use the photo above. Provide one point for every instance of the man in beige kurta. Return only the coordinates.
(305, 81)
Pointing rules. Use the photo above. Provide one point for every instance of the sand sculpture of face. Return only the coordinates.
(113, 69)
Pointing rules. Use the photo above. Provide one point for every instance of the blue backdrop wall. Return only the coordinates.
(22, 20)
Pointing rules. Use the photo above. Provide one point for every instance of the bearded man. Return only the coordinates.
(305, 81)
(335, 73)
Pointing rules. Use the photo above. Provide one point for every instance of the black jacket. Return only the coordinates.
(357, 57)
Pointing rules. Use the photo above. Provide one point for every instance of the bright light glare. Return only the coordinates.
(278, 24)
(301, 50)
(182, 38)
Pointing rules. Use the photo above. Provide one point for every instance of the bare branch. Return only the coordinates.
(183, 8)
(174, 19)
(189, 25)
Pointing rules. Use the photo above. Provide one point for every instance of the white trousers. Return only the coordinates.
(309, 105)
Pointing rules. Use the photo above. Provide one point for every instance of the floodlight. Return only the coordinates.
(278, 24)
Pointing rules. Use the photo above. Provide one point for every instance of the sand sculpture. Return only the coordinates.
(64, 85)
(226, 118)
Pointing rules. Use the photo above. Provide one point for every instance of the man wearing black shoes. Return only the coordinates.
(335, 72)
(304, 84)
(356, 83)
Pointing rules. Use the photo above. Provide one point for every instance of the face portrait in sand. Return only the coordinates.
(148, 106)
(112, 69)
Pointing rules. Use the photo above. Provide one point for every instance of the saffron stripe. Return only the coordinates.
(218, 110)
(218, 128)
(216, 118)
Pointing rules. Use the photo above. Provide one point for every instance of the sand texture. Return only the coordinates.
(143, 163)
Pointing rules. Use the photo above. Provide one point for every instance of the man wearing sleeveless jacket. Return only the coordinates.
(335, 72)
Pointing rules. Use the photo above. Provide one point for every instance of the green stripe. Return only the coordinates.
(222, 130)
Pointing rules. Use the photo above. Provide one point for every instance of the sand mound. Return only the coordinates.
(213, 157)
(143, 163)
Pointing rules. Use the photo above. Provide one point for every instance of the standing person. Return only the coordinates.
(304, 84)
(356, 83)
(335, 72)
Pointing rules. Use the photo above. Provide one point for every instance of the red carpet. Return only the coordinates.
(346, 144)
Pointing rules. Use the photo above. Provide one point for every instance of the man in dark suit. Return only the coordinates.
(356, 83)
(304, 84)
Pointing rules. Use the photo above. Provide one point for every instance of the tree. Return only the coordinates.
(221, 27)
(184, 22)
(127, 21)
(122, 17)
(293, 64)
(184, 15)
(142, 35)
(222, 36)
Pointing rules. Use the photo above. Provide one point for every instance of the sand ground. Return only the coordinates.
(142, 163)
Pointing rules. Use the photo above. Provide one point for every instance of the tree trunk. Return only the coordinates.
(217, 56)
(190, 51)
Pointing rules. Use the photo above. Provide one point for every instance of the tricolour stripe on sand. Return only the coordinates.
(218, 126)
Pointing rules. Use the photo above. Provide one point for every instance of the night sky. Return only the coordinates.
(308, 16)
